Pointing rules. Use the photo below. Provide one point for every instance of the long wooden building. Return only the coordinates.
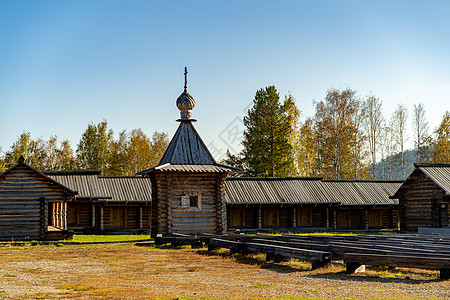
(105, 204)
(33, 206)
(424, 198)
(310, 203)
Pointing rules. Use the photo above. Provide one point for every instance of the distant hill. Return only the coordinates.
(390, 167)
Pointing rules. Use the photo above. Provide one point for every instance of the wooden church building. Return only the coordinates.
(424, 198)
(33, 206)
(188, 191)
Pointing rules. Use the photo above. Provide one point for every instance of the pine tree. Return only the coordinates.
(267, 148)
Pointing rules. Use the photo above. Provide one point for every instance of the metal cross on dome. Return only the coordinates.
(185, 78)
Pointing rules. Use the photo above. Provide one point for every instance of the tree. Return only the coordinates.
(306, 149)
(421, 136)
(373, 124)
(357, 143)
(441, 143)
(399, 121)
(267, 149)
(334, 128)
(93, 152)
(119, 157)
(65, 157)
(159, 144)
(33, 151)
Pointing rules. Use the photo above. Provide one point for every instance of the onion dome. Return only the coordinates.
(185, 101)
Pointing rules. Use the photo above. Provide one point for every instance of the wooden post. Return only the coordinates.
(93, 215)
(101, 217)
(65, 216)
(141, 221)
(294, 217)
(43, 223)
(367, 218)
(259, 218)
(328, 217)
(334, 219)
(58, 215)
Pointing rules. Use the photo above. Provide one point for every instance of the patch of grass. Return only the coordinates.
(77, 287)
(80, 238)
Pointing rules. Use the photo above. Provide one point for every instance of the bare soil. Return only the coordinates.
(126, 271)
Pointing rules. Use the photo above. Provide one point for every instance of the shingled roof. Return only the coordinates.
(124, 189)
(293, 190)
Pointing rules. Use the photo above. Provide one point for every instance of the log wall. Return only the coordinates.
(23, 216)
(419, 203)
(169, 215)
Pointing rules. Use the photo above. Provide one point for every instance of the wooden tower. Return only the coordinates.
(188, 193)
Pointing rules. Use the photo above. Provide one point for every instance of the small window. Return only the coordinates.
(193, 201)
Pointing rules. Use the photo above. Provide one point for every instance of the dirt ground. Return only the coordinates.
(126, 271)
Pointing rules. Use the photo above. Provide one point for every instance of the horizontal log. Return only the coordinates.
(310, 255)
(397, 261)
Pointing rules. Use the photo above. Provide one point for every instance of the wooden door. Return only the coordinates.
(304, 216)
(117, 218)
(271, 217)
(343, 218)
(72, 212)
(237, 217)
(374, 218)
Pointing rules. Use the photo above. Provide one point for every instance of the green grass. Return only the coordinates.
(80, 238)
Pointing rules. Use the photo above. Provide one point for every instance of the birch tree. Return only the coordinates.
(373, 126)
(334, 123)
(399, 121)
(421, 136)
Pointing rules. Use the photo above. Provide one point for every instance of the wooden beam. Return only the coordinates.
(141, 223)
(93, 216)
(101, 217)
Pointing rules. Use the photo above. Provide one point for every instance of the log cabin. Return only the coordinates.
(107, 204)
(33, 206)
(310, 204)
(188, 185)
(424, 197)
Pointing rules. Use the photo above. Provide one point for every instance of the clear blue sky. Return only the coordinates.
(64, 64)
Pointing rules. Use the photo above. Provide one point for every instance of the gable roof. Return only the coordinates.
(438, 173)
(21, 163)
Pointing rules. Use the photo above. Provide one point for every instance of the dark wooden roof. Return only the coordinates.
(293, 190)
(127, 189)
(85, 182)
(187, 148)
(438, 173)
(106, 189)
(22, 163)
(188, 153)
(357, 193)
(240, 190)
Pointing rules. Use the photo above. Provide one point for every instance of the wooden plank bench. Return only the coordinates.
(354, 260)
